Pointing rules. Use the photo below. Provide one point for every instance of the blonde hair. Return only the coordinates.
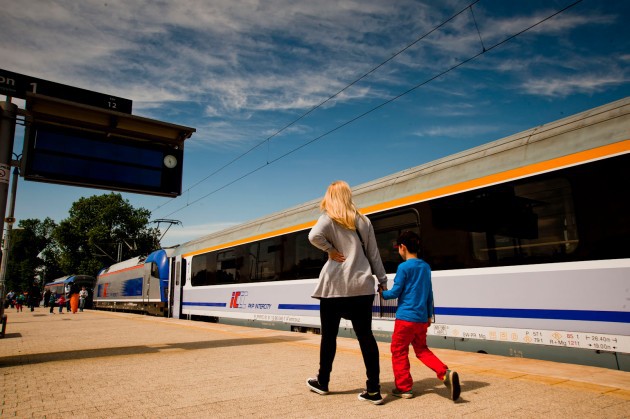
(338, 204)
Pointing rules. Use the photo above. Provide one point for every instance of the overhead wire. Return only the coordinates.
(319, 105)
(379, 106)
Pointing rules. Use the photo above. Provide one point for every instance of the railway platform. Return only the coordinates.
(98, 364)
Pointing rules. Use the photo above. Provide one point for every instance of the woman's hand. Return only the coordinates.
(336, 256)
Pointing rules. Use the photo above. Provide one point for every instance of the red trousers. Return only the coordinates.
(406, 333)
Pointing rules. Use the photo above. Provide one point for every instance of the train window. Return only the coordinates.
(155, 272)
(602, 202)
(183, 272)
(228, 265)
(270, 257)
(290, 256)
(307, 260)
(531, 222)
(387, 248)
(249, 270)
(201, 270)
(550, 230)
(399, 219)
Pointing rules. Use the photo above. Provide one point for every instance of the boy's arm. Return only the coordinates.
(397, 288)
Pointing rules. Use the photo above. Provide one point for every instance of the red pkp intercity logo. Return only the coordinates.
(238, 299)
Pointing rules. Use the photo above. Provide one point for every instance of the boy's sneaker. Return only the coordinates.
(403, 394)
(451, 380)
(314, 385)
(374, 398)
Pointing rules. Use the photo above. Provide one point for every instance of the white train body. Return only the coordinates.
(528, 238)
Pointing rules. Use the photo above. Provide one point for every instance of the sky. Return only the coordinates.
(287, 96)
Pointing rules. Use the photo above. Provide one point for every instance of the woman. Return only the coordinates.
(346, 286)
(74, 298)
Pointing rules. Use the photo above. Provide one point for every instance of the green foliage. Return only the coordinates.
(31, 253)
(99, 231)
(102, 230)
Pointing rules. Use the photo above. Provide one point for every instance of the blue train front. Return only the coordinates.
(139, 284)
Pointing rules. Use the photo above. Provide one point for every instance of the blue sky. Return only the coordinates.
(240, 71)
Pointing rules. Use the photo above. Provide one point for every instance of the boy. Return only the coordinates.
(412, 287)
(60, 303)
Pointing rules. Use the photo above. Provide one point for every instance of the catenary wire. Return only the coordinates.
(379, 106)
(319, 105)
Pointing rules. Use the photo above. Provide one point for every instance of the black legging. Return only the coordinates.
(359, 311)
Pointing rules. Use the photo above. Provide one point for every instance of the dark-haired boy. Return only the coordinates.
(412, 287)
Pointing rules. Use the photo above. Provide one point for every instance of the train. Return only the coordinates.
(58, 286)
(528, 238)
(139, 284)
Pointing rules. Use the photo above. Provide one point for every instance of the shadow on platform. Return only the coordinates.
(39, 358)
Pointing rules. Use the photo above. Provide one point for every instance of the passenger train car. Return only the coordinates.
(528, 238)
(137, 285)
(58, 286)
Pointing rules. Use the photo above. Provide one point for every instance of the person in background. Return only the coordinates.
(83, 295)
(51, 302)
(346, 287)
(34, 295)
(61, 302)
(68, 290)
(74, 297)
(11, 298)
(46, 297)
(413, 288)
(20, 300)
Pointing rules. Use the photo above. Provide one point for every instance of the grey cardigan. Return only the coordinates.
(353, 277)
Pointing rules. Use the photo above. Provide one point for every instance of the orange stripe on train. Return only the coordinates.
(581, 157)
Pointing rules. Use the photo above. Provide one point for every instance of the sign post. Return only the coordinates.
(83, 138)
(7, 132)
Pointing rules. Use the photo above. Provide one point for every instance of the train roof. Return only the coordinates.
(596, 133)
(135, 261)
(61, 280)
(68, 278)
(155, 256)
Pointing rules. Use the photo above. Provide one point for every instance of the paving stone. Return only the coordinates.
(101, 365)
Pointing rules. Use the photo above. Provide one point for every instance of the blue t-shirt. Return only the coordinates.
(412, 287)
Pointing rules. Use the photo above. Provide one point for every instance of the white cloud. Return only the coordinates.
(460, 131)
(235, 59)
(227, 49)
(178, 234)
(565, 86)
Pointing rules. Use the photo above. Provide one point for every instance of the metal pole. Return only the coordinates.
(7, 133)
(9, 220)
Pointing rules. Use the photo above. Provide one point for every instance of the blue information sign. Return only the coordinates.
(76, 157)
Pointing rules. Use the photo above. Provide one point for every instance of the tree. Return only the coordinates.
(102, 230)
(31, 254)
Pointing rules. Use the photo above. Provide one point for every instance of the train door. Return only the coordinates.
(175, 300)
(146, 285)
(387, 228)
